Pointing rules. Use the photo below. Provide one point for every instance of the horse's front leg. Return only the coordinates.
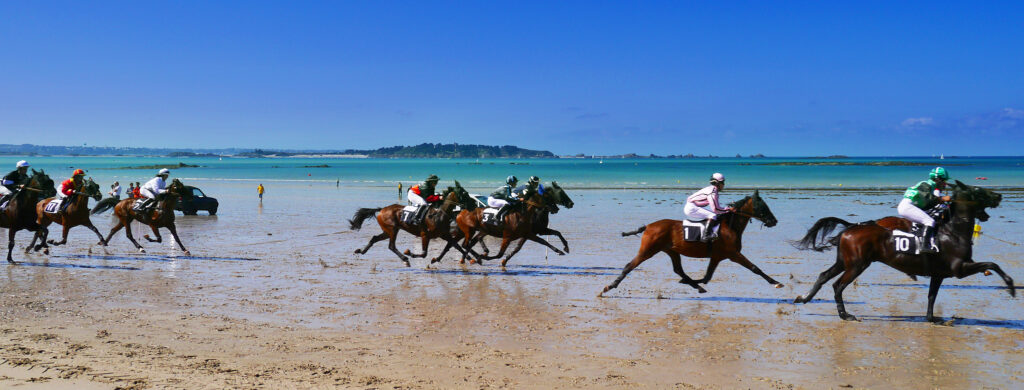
(156, 232)
(544, 242)
(424, 243)
(933, 292)
(556, 233)
(968, 269)
(98, 234)
(174, 234)
(738, 258)
(505, 240)
(391, 246)
(128, 233)
(10, 243)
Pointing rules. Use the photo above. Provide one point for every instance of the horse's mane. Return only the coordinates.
(733, 221)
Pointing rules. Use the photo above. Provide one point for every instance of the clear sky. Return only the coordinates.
(594, 77)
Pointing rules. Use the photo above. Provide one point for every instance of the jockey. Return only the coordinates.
(502, 197)
(13, 181)
(921, 197)
(423, 193)
(154, 187)
(707, 196)
(70, 188)
(534, 185)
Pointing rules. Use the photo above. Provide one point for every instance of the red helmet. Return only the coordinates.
(78, 172)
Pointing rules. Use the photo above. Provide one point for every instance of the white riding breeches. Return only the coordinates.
(146, 193)
(496, 203)
(697, 213)
(4, 191)
(906, 209)
(416, 200)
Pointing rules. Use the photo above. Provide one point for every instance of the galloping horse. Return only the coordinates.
(861, 244)
(524, 223)
(161, 217)
(436, 224)
(21, 213)
(76, 213)
(667, 236)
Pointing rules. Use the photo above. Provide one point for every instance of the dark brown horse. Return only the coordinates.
(526, 222)
(161, 217)
(667, 236)
(861, 244)
(75, 214)
(436, 223)
(21, 209)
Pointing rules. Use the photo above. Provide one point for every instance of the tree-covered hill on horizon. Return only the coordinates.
(425, 150)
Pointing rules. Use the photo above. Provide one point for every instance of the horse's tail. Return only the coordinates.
(104, 205)
(817, 238)
(361, 215)
(635, 232)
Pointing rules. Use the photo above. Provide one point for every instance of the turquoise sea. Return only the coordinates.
(570, 173)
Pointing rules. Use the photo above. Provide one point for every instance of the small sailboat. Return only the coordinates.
(942, 157)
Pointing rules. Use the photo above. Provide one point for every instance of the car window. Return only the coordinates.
(197, 192)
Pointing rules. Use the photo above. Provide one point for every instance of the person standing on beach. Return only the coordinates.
(707, 196)
(130, 193)
(259, 190)
(399, 191)
(115, 190)
(137, 192)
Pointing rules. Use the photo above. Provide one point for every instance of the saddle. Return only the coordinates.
(693, 231)
(914, 241)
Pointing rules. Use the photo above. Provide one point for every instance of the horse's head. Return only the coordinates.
(971, 201)
(462, 197)
(91, 189)
(558, 195)
(177, 189)
(42, 181)
(757, 208)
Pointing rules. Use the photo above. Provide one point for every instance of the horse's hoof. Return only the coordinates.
(407, 252)
(142, 250)
(799, 299)
(601, 294)
(359, 251)
(407, 264)
(434, 260)
(46, 251)
(561, 253)
(988, 273)
(187, 253)
(848, 317)
(779, 285)
(701, 290)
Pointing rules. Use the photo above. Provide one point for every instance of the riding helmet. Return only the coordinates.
(939, 173)
(534, 179)
(78, 172)
(164, 172)
(717, 178)
(511, 180)
(22, 164)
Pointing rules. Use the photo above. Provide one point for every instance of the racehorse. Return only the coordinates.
(20, 213)
(436, 223)
(526, 222)
(161, 217)
(861, 244)
(75, 214)
(667, 236)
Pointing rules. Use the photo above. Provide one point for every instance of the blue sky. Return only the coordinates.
(589, 77)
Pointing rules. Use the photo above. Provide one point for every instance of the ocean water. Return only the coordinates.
(570, 173)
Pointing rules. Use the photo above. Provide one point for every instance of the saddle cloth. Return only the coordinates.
(904, 242)
(408, 215)
(53, 207)
(694, 230)
(137, 206)
(490, 216)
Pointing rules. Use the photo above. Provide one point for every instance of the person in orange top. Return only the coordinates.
(70, 187)
(137, 192)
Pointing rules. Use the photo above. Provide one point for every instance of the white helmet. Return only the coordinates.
(22, 164)
(717, 178)
(164, 171)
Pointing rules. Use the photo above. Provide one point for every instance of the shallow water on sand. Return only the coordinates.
(290, 261)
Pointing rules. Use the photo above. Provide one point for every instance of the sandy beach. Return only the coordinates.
(274, 298)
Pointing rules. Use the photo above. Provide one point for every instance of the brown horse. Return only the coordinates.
(436, 224)
(667, 236)
(525, 222)
(75, 214)
(861, 244)
(161, 217)
(20, 213)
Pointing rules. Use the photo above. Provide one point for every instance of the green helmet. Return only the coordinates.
(939, 173)
(432, 178)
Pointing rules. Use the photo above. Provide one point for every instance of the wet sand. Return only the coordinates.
(274, 298)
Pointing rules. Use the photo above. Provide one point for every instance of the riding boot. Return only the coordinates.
(3, 202)
(499, 217)
(709, 231)
(421, 213)
(928, 244)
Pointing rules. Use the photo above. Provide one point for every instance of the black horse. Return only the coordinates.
(21, 209)
(861, 244)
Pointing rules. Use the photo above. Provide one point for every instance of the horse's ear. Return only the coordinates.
(961, 185)
(457, 185)
(555, 184)
(757, 193)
